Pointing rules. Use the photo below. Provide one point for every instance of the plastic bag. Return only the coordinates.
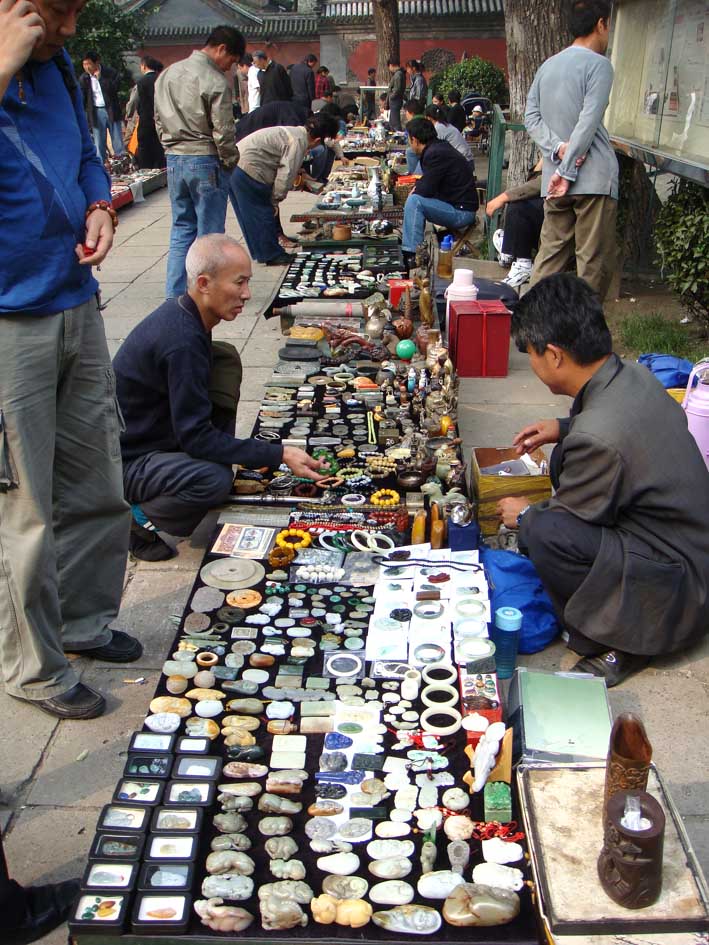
(669, 370)
(515, 583)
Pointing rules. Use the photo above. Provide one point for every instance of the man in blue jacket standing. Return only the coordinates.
(63, 521)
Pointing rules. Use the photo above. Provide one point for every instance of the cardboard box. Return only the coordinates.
(490, 489)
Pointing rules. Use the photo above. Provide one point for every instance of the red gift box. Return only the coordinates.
(479, 338)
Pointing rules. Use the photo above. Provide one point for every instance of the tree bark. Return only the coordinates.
(535, 30)
(386, 31)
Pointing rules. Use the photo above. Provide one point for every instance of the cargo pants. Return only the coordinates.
(63, 520)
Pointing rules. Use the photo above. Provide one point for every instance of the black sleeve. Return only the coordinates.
(310, 84)
(434, 170)
(191, 412)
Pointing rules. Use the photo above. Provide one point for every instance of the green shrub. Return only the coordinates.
(682, 240)
(472, 75)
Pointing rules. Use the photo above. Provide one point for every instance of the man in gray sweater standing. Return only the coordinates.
(564, 114)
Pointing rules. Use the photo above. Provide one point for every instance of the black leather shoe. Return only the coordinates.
(147, 545)
(47, 908)
(613, 666)
(283, 260)
(79, 702)
(121, 648)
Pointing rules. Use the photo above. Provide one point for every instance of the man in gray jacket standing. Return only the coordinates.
(622, 547)
(564, 114)
(195, 122)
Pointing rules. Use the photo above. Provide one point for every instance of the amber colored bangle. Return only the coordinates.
(280, 556)
(206, 659)
(103, 205)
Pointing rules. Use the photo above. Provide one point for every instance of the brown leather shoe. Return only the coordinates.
(79, 702)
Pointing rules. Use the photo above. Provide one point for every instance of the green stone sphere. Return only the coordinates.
(406, 349)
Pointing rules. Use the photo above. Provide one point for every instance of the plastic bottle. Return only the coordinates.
(505, 636)
(445, 258)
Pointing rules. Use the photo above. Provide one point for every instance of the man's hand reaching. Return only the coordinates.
(300, 464)
(537, 434)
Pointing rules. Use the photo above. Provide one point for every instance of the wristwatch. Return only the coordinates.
(522, 514)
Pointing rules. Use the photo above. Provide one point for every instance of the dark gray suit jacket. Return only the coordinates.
(628, 463)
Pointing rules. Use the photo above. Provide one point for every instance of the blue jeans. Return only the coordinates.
(252, 205)
(99, 130)
(419, 209)
(198, 188)
(412, 162)
(320, 161)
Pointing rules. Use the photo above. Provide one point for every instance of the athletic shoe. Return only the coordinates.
(497, 238)
(519, 273)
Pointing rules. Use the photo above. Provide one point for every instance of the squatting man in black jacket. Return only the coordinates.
(178, 392)
(445, 194)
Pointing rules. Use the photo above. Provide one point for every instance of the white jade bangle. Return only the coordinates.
(451, 696)
(444, 675)
(453, 714)
(469, 607)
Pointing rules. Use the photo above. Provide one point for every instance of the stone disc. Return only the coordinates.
(232, 573)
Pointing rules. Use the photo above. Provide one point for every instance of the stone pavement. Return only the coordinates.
(56, 776)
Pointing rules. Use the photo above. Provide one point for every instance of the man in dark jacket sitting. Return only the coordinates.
(302, 80)
(178, 446)
(446, 192)
(622, 546)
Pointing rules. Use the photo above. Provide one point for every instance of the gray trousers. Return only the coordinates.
(63, 519)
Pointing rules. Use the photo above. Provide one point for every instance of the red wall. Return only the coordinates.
(363, 57)
(494, 50)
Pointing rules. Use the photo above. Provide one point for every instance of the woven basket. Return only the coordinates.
(401, 192)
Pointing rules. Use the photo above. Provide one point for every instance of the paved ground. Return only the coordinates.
(57, 775)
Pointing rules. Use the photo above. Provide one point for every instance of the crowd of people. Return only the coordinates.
(97, 457)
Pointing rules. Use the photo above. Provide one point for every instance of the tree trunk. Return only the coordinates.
(386, 31)
(535, 30)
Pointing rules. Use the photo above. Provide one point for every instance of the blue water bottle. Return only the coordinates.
(505, 636)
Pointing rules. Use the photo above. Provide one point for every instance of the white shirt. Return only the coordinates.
(254, 88)
(97, 92)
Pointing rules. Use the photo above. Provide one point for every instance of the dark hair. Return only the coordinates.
(585, 14)
(371, 71)
(229, 37)
(422, 130)
(322, 126)
(246, 60)
(414, 64)
(433, 111)
(414, 106)
(393, 62)
(562, 310)
(454, 96)
(323, 70)
(92, 55)
(150, 63)
(383, 97)
(311, 59)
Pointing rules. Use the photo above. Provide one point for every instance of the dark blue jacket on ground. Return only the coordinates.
(50, 174)
(162, 380)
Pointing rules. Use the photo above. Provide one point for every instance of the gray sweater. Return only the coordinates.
(566, 102)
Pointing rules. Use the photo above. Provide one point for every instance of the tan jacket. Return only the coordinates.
(193, 109)
(273, 156)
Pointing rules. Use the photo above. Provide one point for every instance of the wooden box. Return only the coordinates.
(490, 489)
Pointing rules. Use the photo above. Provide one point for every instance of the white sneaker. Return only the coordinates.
(497, 238)
(519, 273)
